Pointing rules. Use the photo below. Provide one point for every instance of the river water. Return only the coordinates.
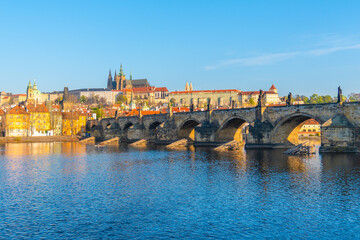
(72, 191)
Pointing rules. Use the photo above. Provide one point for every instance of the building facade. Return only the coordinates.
(250, 98)
(73, 123)
(40, 121)
(310, 127)
(218, 98)
(17, 122)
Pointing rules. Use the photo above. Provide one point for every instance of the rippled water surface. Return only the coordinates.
(68, 191)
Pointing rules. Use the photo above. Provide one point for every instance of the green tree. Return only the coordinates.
(58, 100)
(320, 99)
(306, 99)
(327, 99)
(172, 102)
(121, 99)
(99, 113)
(314, 98)
(83, 99)
(252, 101)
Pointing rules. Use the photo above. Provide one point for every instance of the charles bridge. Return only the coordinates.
(268, 126)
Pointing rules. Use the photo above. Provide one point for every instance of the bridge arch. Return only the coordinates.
(114, 125)
(127, 126)
(232, 129)
(154, 125)
(287, 129)
(187, 129)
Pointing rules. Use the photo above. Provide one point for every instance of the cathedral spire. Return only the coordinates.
(121, 70)
(130, 76)
(110, 81)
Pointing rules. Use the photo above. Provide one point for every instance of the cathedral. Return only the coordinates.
(119, 82)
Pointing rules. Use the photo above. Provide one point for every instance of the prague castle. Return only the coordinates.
(119, 82)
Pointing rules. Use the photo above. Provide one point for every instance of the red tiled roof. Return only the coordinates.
(143, 89)
(2, 112)
(18, 110)
(272, 87)
(311, 122)
(256, 92)
(206, 91)
(124, 90)
(161, 89)
(70, 115)
(180, 109)
(38, 108)
(19, 95)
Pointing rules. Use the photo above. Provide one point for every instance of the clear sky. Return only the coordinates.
(300, 46)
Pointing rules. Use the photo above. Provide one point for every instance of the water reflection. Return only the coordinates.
(25, 149)
(67, 190)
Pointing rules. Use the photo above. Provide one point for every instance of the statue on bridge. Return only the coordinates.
(261, 99)
(289, 99)
(233, 104)
(209, 104)
(340, 96)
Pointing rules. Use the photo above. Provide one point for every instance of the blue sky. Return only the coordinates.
(300, 46)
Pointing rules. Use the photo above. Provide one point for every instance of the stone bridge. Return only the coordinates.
(271, 127)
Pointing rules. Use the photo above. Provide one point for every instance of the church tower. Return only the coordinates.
(187, 88)
(109, 83)
(29, 94)
(122, 78)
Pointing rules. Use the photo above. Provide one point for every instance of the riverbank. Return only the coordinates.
(4, 140)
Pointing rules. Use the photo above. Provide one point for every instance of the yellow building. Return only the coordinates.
(40, 124)
(17, 122)
(2, 123)
(310, 127)
(73, 123)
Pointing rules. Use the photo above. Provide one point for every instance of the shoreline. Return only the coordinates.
(4, 140)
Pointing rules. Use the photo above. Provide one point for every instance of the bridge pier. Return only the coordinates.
(338, 135)
(135, 133)
(206, 134)
(167, 134)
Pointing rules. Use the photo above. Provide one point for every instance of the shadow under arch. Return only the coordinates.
(115, 125)
(187, 129)
(128, 125)
(232, 129)
(286, 131)
(153, 130)
(154, 125)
